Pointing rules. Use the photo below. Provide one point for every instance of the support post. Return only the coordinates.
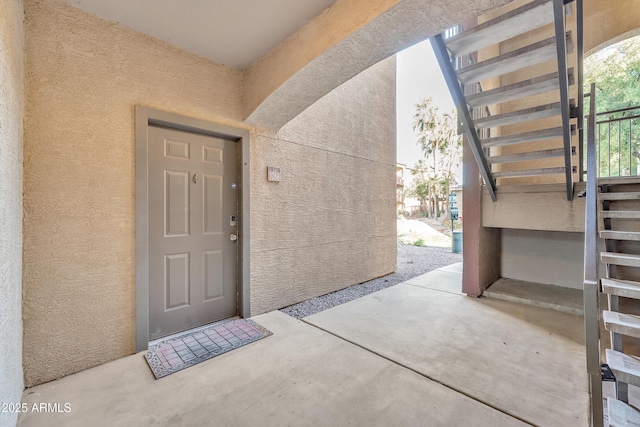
(591, 290)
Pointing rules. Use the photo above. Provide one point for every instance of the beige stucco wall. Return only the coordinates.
(11, 112)
(549, 257)
(330, 221)
(84, 76)
(607, 22)
(349, 37)
(328, 28)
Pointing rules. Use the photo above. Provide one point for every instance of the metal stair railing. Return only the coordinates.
(450, 77)
(561, 47)
(622, 125)
(591, 285)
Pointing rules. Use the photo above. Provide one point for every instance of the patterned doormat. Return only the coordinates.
(191, 348)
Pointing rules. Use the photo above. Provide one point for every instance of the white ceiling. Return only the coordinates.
(232, 32)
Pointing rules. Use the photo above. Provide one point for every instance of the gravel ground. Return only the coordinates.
(412, 261)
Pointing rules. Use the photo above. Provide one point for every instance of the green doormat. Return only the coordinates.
(191, 348)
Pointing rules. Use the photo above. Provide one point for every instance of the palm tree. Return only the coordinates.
(439, 141)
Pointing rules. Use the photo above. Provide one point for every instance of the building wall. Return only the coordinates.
(11, 113)
(84, 76)
(549, 257)
(330, 221)
(608, 22)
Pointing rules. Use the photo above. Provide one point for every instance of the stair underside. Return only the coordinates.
(619, 196)
(622, 180)
(519, 90)
(519, 138)
(620, 235)
(624, 367)
(621, 288)
(542, 51)
(525, 115)
(622, 414)
(621, 323)
(629, 260)
(528, 156)
(620, 214)
(528, 172)
(518, 21)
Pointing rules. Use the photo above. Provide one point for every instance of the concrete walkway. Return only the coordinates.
(416, 354)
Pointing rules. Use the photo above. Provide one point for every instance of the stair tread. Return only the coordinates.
(525, 115)
(619, 180)
(531, 155)
(619, 196)
(617, 258)
(621, 323)
(518, 90)
(622, 414)
(511, 24)
(620, 235)
(528, 172)
(536, 135)
(544, 50)
(622, 288)
(620, 214)
(626, 368)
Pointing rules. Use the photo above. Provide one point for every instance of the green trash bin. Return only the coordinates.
(456, 243)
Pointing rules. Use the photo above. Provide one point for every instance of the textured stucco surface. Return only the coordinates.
(348, 38)
(608, 22)
(84, 76)
(330, 221)
(548, 257)
(11, 112)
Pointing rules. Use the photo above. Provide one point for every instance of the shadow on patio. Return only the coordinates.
(418, 353)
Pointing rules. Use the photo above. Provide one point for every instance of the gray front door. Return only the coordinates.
(193, 208)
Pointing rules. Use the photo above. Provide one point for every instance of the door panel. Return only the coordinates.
(176, 281)
(212, 195)
(214, 283)
(176, 214)
(192, 260)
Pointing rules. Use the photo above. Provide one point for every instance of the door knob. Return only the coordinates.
(233, 237)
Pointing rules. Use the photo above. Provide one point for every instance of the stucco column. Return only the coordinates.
(481, 245)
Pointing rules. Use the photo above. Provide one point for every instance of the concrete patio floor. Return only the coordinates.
(416, 354)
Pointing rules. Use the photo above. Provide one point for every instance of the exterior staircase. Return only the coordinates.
(511, 78)
(612, 237)
(506, 142)
(618, 214)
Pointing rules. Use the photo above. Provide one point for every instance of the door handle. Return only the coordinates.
(233, 237)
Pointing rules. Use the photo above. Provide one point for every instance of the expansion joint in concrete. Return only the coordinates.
(395, 362)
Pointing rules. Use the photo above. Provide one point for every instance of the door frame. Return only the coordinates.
(145, 116)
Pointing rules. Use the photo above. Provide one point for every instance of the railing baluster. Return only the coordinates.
(615, 159)
(629, 151)
(599, 151)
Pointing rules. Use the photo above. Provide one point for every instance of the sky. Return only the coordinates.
(418, 76)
